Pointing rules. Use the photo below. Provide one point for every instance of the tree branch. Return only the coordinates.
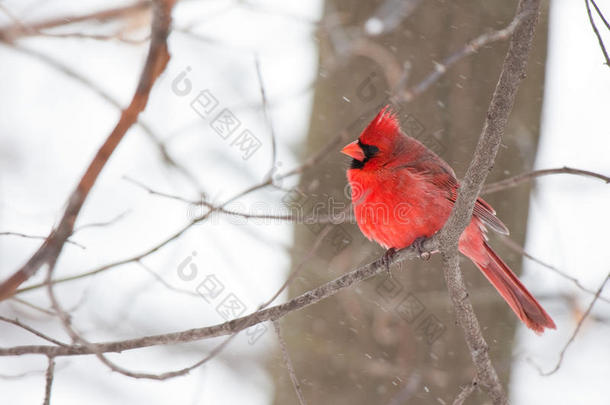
(513, 71)
(156, 61)
(230, 327)
(521, 178)
(49, 376)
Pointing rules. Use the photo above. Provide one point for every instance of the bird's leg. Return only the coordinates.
(419, 245)
(386, 259)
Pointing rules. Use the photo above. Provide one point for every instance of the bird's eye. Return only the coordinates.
(369, 150)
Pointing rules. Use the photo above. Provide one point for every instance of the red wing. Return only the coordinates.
(482, 209)
(442, 175)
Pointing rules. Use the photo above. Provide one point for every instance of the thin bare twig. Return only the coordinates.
(576, 330)
(519, 249)
(177, 373)
(521, 178)
(21, 375)
(216, 208)
(288, 363)
(261, 86)
(165, 283)
(33, 331)
(49, 376)
(116, 37)
(111, 221)
(597, 34)
(32, 306)
(599, 12)
(23, 235)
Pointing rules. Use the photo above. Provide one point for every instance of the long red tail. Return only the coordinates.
(514, 293)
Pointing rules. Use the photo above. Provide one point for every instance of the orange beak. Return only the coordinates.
(353, 150)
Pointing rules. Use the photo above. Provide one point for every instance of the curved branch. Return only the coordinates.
(521, 178)
(577, 329)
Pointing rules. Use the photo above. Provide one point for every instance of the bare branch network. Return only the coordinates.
(520, 31)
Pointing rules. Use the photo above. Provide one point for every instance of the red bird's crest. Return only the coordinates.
(384, 125)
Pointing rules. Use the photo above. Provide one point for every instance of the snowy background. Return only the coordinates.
(51, 125)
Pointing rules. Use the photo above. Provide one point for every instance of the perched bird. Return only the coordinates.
(402, 193)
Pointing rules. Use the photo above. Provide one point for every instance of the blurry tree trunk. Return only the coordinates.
(393, 342)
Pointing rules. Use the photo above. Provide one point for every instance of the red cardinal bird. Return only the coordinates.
(403, 192)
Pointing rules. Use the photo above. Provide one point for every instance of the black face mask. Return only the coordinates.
(369, 152)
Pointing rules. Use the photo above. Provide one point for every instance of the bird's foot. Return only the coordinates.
(419, 245)
(386, 259)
